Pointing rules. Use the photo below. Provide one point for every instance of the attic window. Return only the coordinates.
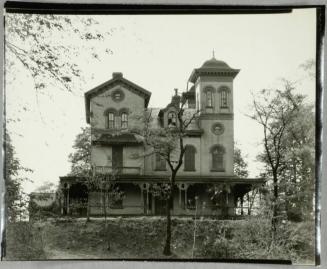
(172, 119)
(117, 95)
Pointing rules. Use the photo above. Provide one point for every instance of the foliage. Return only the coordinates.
(168, 143)
(81, 158)
(24, 242)
(37, 212)
(141, 238)
(240, 166)
(15, 198)
(277, 112)
(46, 187)
(49, 45)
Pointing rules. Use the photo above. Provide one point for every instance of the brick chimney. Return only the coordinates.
(117, 75)
(176, 99)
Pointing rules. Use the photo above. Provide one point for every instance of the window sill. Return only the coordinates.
(157, 169)
(217, 170)
(224, 107)
(189, 170)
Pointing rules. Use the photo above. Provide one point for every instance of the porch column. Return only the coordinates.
(242, 212)
(248, 197)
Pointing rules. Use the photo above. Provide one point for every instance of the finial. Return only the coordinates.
(213, 53)
(176, 91)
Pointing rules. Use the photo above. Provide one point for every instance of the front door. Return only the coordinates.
(117, 157)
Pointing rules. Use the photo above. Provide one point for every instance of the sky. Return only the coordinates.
(159, 52)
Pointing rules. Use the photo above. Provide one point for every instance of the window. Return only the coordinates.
(189, 158)
(171, 119)
(117, 95)
(124, 120)
(117, 122)
(224, 98)
(111, 120)
(209, 98)
(218, 158)
(160, 163)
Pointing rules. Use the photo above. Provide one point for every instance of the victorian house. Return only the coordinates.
(112, 110)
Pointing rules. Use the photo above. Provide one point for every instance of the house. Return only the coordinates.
(113, 109)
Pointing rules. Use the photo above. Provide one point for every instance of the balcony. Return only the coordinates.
(126, 170)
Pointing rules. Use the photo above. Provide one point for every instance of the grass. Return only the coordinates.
(143, 238)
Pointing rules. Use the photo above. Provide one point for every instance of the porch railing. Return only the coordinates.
(125, 170)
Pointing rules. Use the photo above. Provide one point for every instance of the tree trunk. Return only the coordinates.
(275, 208)
(167, 250)
(88, 206)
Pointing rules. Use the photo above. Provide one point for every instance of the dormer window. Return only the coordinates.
(172, 119)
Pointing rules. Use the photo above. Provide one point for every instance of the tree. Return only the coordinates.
(46, 187)
(240, 166)
(49, 47)
(15, 198)
(298, 164)
(168, 143)
(275, 111)
(80, 159)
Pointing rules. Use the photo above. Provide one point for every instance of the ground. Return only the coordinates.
(143, 238)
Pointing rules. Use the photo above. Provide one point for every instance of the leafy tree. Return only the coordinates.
(49, 46)
(15, 198)
(240, 166)
(46, 187)
(168, 143)
(80, 159)
(280, 113)
(274, 110)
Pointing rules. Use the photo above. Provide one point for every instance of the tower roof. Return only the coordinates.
(214, 63)
(213, 67)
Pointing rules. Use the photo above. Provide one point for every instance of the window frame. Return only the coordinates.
(189, 149)
(170, 119)
(159, 161)
(209, 101)
(218, 151)
(124, 120)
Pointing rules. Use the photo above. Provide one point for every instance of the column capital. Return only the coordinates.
(182, 186)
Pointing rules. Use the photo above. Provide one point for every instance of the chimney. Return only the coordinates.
(175, 100)
(117, 75)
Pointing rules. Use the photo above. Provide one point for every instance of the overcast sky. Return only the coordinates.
(159, 52)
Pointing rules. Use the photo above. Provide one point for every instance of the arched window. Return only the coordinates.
(209, 98)
(124, 120)
(111, 120)
(224, 98)
(171, 118)
(218, 153)
(189, 158)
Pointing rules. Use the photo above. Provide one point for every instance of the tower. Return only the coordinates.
(213, 97)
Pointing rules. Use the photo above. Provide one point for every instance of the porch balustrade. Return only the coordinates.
(125, 170)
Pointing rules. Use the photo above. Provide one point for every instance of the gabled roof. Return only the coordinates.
(116, 79)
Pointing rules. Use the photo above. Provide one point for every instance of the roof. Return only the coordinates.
(213, 67)
(116, 79)
(111, 139)
(214, 63)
